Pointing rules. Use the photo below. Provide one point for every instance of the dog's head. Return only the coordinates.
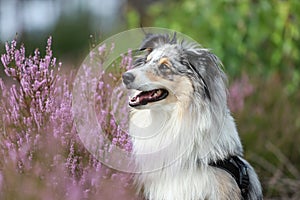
(169, 73)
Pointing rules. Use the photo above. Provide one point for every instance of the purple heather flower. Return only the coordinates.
(40, 140)
(238, 91)
(102, 49)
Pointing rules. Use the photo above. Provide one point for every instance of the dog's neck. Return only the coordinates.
(174, 137)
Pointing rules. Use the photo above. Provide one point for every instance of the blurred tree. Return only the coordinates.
(137, 12)
(254, 36)
(70, 23)
(71, 35)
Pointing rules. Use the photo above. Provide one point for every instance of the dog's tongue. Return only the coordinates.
(145, 97)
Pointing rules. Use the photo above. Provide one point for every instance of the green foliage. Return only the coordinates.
(132, 18)
(252, 36)
(71, 35)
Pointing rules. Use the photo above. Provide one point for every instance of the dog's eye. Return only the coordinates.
(163, 67)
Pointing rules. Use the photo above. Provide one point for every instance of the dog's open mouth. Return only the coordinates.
(146, 97)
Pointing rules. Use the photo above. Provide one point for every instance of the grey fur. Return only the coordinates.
(198, 117)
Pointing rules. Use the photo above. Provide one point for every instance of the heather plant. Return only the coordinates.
(238, 91)
(113, 111)
(42, 155)
(269, 127)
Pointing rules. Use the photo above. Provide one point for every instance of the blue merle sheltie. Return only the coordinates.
(185, 142)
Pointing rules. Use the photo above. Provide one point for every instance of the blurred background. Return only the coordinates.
(257, 41)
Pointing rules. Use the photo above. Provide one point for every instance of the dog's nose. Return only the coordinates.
(128, 78)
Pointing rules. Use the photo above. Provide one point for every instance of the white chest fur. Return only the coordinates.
(167, 147)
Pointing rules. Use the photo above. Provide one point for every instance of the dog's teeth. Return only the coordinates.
(158, 93)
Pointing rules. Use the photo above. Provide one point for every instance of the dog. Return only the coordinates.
(185, 142)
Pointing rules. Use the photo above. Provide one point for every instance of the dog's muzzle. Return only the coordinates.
(144, 96)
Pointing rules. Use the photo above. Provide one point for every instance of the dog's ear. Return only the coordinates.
(207, 67)
(153, 41)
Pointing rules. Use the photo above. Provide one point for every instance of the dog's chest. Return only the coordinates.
(187, 185)
(179, 186)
